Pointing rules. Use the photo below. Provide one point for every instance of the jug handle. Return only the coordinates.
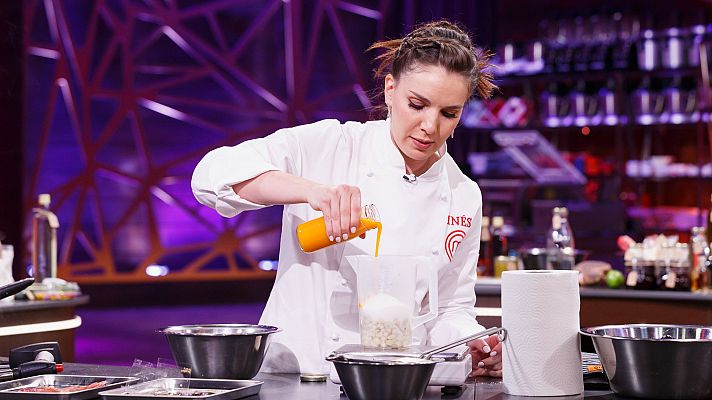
(432, 296)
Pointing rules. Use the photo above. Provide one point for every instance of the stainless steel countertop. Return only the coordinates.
(26, 305)
(288, 386)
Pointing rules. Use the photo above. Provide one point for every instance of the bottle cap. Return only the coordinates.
(44, 199)
(564, 212)
(497, 221)
(485, 221)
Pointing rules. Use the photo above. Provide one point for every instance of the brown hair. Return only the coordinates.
(440, 43)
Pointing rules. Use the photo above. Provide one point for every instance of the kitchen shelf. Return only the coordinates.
(543, 127)
(595, 75)
(705, 179)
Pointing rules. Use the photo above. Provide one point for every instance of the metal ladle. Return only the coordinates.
(380, 358)
(501, 334)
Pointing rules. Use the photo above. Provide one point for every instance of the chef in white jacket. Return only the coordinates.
(427, 206)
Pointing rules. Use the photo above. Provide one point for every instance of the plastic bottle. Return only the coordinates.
(560, 241)
(44, 240)
(312, 234)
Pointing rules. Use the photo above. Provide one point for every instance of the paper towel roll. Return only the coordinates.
(541, 355)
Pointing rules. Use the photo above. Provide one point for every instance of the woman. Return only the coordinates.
(427, 205)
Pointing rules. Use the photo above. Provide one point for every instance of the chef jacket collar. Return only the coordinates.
(391, 156)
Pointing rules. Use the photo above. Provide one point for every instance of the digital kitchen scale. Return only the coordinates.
(452, 371)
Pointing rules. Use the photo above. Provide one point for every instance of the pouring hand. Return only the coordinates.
(341, 206)
(486, 357)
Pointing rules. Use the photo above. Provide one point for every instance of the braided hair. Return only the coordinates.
(440, 43)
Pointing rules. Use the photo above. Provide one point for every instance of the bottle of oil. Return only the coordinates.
(44, 240)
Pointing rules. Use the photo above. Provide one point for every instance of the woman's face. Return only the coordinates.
(426, 103)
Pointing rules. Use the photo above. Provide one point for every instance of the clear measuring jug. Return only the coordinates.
(388, 311)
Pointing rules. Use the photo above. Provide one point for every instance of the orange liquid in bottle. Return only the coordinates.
(312, 234)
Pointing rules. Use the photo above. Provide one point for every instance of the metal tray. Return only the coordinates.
(213, 389)
(9, 390)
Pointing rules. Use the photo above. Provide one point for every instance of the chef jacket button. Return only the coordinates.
(435, 251)
(369, 174)
(343, 282)
(443, 196)
(335, 337)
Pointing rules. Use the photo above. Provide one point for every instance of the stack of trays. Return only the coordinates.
(81, 387)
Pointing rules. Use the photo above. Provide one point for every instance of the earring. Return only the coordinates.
(452, 134)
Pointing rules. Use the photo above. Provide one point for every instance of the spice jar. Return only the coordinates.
(505, 263)
(675, 275)
(640, 272)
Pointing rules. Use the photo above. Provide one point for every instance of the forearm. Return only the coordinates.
(275, 187)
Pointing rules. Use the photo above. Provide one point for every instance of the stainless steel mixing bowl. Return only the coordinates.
(220, 351)
(535, 258)
(656, 361)
(383, 376)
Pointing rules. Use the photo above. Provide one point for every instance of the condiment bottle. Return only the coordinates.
(312, 234)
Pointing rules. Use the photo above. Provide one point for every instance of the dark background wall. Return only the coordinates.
(11, 215)
(121, 99)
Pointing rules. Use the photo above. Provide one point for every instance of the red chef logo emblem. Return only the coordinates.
(453, 240)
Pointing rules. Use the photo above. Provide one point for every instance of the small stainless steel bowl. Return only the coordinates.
(535, 258)
(367, 376)
(656, 361)
(220, 351)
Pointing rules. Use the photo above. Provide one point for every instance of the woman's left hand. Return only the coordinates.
(486, 357)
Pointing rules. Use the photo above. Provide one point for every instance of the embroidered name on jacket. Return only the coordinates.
(454, 238)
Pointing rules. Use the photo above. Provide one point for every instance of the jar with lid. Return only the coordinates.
(639, 271)
(505, 263)
(674, 271)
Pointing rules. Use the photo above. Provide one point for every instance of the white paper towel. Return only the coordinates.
(6, 256)
(541, 355)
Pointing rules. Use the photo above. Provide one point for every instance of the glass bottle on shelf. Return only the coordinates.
(704, 283)
(708, 231)
(499, 241)
(560, 241)
(44, 240)
(699, 253)
(483, 262)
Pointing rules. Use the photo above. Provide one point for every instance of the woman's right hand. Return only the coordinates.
(341, 206)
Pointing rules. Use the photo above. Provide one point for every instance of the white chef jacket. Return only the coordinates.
(314, 296)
